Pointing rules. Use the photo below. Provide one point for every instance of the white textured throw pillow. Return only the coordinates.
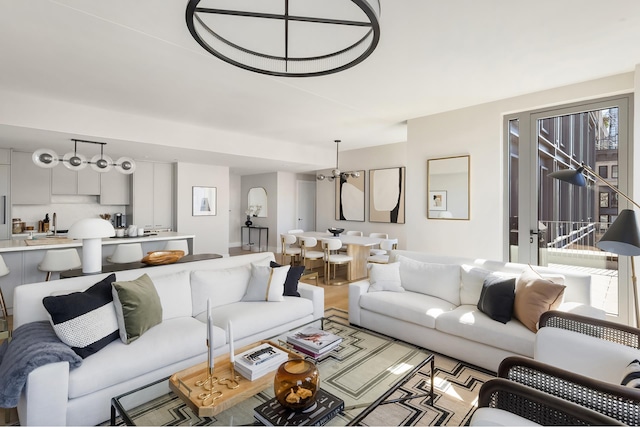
(266, 283)
(385, 277)
(438, 280)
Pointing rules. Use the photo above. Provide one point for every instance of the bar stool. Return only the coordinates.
(332, 257)
(287, 250)
(177, 245)
(126, 252)
(57, 260)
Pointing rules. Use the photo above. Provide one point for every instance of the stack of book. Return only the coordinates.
(259, 361)
(326, 406)
(313, 341)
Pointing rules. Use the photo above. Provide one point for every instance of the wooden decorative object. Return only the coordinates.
(162, 257)
(183, 383)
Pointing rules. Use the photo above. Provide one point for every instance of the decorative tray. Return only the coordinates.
(162, 257)
(183, 383)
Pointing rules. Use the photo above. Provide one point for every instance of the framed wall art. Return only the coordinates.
(387, 195)
(437, 200)
(350, 197)
(204, 201)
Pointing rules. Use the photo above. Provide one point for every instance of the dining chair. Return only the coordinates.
(354, 233)
(332, 257)
(307, 244)
(378, 251)
(387, 245)
(288, 250)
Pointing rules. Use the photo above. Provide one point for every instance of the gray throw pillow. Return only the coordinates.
(138, 307)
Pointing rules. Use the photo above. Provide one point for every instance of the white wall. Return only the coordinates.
(478, 131)
(380, 157)
(236, 218)
(212, 232)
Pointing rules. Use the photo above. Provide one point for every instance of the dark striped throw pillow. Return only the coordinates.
(85, 321)
(631, 376)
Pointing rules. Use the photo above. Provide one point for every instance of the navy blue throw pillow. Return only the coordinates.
(293, 276)
(497, 297)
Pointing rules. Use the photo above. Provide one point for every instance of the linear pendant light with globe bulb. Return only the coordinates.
(623, 235)
(335, 173)
(46, 158)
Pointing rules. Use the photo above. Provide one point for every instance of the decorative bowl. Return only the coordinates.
(335, 231)
(296, 383)
(162, 257)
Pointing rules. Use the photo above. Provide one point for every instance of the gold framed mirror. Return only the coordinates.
(448, 187)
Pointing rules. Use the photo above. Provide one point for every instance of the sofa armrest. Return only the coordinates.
(45, 396)
(506, 397)
(613, 400)
(316, 295)
(356, 289)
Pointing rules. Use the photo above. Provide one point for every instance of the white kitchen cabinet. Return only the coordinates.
(84, 182)
(5, 202)
(115, 188)
(153, 195)
(30, 184)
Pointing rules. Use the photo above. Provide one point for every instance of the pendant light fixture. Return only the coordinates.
(286, 38)
(46, 158)
(335, 173)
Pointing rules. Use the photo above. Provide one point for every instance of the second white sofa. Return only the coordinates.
(440, 313)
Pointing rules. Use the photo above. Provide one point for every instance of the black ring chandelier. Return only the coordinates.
(300, 39)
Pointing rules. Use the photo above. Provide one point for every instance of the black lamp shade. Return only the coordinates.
(623, 237)
(572, 176)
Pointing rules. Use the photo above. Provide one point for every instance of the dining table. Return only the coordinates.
(358, 247)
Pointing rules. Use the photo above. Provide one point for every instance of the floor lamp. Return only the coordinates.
(623, 236)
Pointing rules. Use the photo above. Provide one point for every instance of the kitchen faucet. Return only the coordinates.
(55, 224)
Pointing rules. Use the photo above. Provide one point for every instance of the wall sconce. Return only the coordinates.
(46, 158)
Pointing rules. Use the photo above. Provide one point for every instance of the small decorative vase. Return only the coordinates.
(296, 384)
(248, 222)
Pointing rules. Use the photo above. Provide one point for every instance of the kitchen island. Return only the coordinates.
(23, 256)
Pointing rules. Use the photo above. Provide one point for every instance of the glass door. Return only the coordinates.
(552, 223)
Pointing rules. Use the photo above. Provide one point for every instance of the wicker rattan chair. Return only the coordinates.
(505, 402)
(613, 400)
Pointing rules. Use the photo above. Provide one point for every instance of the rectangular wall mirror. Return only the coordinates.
(448, 188)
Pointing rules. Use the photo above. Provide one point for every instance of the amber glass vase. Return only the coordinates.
(296, 383)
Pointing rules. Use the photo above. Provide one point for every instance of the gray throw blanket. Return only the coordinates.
(33, 345)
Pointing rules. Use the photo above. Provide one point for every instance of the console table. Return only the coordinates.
(249, 242)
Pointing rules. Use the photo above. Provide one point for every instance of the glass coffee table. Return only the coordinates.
(365, 371)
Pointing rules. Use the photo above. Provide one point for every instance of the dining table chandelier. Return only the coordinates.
(290, 39)
(46, 158)
(336, 173)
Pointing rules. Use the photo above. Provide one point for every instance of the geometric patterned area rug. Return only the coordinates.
(456, 387)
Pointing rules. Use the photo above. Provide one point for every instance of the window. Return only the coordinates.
(603, 171)
(614, 171)
(604, 199)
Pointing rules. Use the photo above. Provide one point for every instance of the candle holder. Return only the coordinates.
(233, 382)
(210, 394)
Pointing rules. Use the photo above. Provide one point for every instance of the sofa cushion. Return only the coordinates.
(172, 341)
(438, 280)
(408, 306)
(385, 277)
(250, 318)
(470, 323)
(535, 295)
(222, 287)
(137, 306)
(496, 298)
(85, 321)
(174, 291)
(266, 283)
(293, 277)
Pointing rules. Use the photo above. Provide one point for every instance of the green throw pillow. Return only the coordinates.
(138, 307)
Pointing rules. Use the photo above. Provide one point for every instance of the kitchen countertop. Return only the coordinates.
(15, 245)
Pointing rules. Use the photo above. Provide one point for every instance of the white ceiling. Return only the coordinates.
(137, 57)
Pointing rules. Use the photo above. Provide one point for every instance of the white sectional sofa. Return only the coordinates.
(444, 317)
(54, 395)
